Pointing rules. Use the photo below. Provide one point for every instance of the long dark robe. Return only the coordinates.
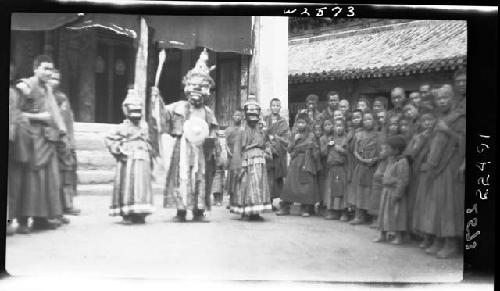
(277, 166)
(335, 183)
(34, 163)
(232, 134)
(350, 197)
(301, 185)
(367, 145)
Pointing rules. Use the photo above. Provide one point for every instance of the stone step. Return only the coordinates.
(96, 176)
(95, 160)
(107, 189)
(90, 136)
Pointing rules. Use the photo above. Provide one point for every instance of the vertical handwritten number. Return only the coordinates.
(320, 11)
(484, 136)
(474, 208)
(481, 149)
(290, 11)
(481, 166)
(482, 196)
(469, 237)
(350, 11)
(472, 222)
(481, 181)
(338, 9)
(471, 246)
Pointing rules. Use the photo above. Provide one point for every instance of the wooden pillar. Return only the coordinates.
(141, 63)
(244, 85)
(110, 67)
(269, 65)
(86, 81)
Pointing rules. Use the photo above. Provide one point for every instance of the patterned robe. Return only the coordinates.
(186, 179)
(252, 188)
(132, 191)
(277, 166)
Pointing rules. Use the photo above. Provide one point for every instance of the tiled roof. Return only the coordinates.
(400, 49)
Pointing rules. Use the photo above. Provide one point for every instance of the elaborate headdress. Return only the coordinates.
(251, 100)
(198, 78)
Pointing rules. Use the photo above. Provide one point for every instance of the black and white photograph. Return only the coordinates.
(239, 148)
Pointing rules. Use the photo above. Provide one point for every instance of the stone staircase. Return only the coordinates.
(96, 166)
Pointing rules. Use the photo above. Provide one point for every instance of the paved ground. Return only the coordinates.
(280, 248)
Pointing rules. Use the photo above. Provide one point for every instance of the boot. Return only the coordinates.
(284, 209)
(374, 224)
(306, 210)
(180, 217)
(255, 217)
(199, 216)
(398, 238)
(40, 223)
(63, 219)
(435, 247)
(127, 220)
(382, 237)
(449, 249)
(357, 217)
(426, 242)
(336, 215)
(10, 230)
(329, 214)
(23, 226)
(72, 211)
(345, 216)
(138, 218)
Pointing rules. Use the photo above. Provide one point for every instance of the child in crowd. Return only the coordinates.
(356, 123)
(393, 204)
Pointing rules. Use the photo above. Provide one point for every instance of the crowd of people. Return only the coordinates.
(42, 161)
(398, 170)
(398, 167)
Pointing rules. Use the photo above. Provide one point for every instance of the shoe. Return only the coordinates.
(10, 230)
(56, 221)
(72, 211)
(178, 218)
(45, 224)
(449, 249)
(435, 247)
(381, 238)
(355, 221)
(23, 229)
(425, 243)
(64, 220)
(127, 220)
(283, 212)
(305, 214)
(201, 218)
(344, 217)
(398, 240)
(255, 217)
(139, 219)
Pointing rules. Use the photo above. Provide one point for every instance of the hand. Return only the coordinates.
(331, 143)
(297, 136)
(271, 137)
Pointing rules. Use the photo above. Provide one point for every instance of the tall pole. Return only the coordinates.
(141, 64)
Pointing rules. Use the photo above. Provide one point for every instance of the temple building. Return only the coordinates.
(369, 57)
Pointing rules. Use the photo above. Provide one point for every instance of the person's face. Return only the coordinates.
(317, 130)
(237, 117)
(44, 71)
(275, 107)
(428, 122)
(362, 105)
(54, 80)
(404, 126)
(339, 128)
(397, 99)
(311, 105)
(384, 151)
(333, 101)
(357, 118)
(301, 125)
(343, 106)
(337, 114)
(368, 121)
(381, 117)
(410, 112)
(460, 83)
(443, 102)
(378, 106)
(415, 98)
(426, 88)
(328, 126)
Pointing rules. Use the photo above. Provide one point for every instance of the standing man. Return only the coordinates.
(398, 97)
(278, 133)
(11, 183)
(66, 150)
(426, 97)
(194, 127)
(333, 104)
(36, 163)
(311, 111)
